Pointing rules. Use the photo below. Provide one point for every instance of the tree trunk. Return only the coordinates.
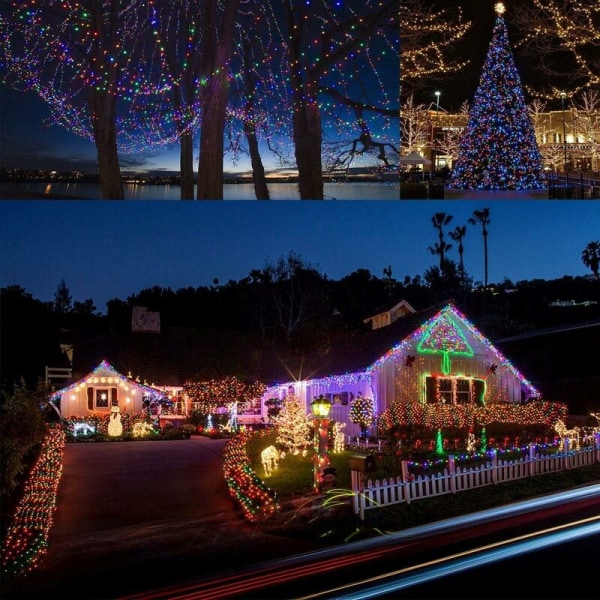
(216, 70)
(307, 148)
(258, 171)
(186, 166)
(103, 109)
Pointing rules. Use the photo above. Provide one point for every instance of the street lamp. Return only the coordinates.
(437, 114)
(320, 408)
(562, 97)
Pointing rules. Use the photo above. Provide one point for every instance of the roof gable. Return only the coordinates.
(446, 331)
(105, 373)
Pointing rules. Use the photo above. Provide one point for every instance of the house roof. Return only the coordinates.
(178, 354)
(385, 342)
(105, 370)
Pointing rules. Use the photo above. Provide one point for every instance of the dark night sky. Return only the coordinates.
(107, 250)
(462, 86)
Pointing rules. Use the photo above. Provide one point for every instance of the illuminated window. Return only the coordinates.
(252, 407)
(101, 398)
(454, 390)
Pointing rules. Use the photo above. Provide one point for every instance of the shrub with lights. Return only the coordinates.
(361, 413)
(221, 399)
(442, 427)
(247, 489)
(26, 541)
(93, 427)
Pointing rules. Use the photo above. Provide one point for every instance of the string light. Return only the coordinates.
(428, 37)
(256, 500)
(26, 541)
(554, 26)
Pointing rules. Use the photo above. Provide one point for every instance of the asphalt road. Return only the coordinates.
(134, 515)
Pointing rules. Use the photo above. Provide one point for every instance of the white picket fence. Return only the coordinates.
(370, 494)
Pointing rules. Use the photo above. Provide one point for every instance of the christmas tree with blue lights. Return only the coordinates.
(498, 150)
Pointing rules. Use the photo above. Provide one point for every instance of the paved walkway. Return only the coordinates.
(134, 515)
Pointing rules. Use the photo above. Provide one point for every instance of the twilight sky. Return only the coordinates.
(106, 250)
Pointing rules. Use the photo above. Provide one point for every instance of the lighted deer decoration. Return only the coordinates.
(572, 435)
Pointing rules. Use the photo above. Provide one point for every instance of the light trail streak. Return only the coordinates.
(295, 567)
(463, 561)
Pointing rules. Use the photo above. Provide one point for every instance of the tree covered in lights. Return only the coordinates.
(361, 413)
(293, 425)
(560, 37)
(498, 149)
(428, 35)
(86, 60)
(332, 53)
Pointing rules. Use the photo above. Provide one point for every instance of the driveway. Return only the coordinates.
(135, 515)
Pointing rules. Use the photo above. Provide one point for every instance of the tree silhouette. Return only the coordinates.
(590, 257)
(63, 302)
(457, 235)
(482, 217)
(439, 221)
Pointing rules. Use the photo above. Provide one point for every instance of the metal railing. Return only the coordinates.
(574, 186)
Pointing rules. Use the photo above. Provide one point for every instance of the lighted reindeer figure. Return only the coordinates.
(572, 435)
(590, 433)
(270, 458)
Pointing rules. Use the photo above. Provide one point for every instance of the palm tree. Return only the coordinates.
(483, 218)
(457, 235)
(440, 249)
(439, 221)
(591, 257)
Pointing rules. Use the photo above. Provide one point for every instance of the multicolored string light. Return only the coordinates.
(26, 541)
(255, 499)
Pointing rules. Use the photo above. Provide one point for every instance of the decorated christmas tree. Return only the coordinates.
(293, 426)
(498, 150)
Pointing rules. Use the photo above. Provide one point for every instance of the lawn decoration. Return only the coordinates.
(270, 460)
(339, 444)
(115, 427)
(569, 438)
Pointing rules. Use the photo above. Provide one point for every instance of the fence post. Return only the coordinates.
(494, 456)
(357, 479)
(452, 473)
(406, 480)
(532, 460)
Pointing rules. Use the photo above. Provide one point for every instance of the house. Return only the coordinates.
(102, 389)
(387, 317)
(434, 356)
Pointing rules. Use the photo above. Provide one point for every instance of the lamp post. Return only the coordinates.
(437, 116)
(562, 97)
(320, 408)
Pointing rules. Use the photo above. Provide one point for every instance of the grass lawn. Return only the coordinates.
(293, 481)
